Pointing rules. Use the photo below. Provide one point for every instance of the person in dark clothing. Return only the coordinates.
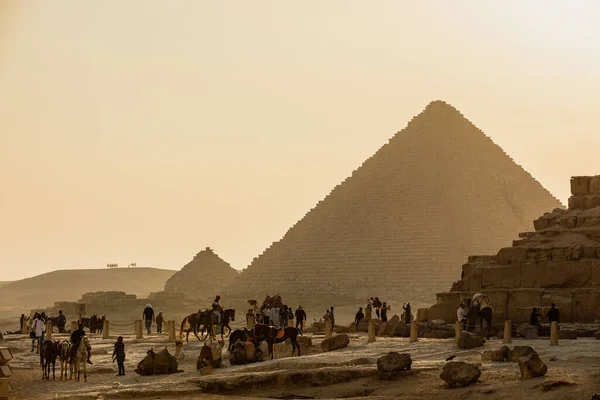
(300, 318)
(358, 317)
(553, 314)
(377, 306)
(332, 318)
(534, 319)
(22, 323)
(148, 315)
(384, 309)
(61, 322)
(407, 313)
(119, 355)
(159, 322)
(76, 337)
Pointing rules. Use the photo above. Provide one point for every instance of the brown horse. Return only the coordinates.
(195, 320)
(273, 335)
(48, 353)
(210, 319)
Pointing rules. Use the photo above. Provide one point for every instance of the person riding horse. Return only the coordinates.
(76, 338)
(480, 308)
(216, 307)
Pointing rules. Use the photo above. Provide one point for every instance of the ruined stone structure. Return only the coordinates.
(203, 277)
(557, 263)
(401, 225)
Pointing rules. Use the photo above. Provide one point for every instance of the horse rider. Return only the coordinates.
(216, 307)
(76, 337)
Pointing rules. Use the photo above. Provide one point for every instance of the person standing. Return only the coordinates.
(22, 323)
(61, 322)
(119, 355)
(332, 317)
(43, 319)
(36, 332)
(408, 313)
(159, 322)
(377, 306)
(274, 317)
(148, 315)
(284, 317)
(358, 317)
(553, 314)
(384, 309)
(300, 318)
(266, 312)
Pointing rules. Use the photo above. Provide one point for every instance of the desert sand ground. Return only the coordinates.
(345, 373)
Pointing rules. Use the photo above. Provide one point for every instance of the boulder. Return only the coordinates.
(363, 325)
(586, 332)
(344, 329)
(532, 366)
(518, 352)
(438, 335)
(570, 334)
(157, 363)
(387, 328)
(438, 322)
(401, 330)
(597, 335)
(458, 373)
(524, 329)
(495, 355)
(335, 343)
(389, 365)
(468, 341)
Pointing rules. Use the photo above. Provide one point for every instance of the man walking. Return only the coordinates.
(148, 315)
(61, 322)
(159, 322)
(300, 318)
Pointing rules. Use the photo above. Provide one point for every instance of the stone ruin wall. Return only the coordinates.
(557, 263)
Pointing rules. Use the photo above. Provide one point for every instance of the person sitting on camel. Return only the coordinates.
(76, 337)
(217, 309)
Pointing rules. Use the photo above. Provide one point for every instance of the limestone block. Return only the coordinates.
(519, 351)
(568, 334)
(580, 185)
(446, 311)
(556, 274)
(585, 303)
(499, 355)
(540, 223)
(509, 255)
(594, 185)
(504, 276)
(577, 203)
(595, 272)
(531, 366)
(468, 341)
(473, 281)
(524, 298)
(458, 373)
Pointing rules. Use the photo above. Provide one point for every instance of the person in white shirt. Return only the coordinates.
(274, 317)
(37, 331)
(461, 313)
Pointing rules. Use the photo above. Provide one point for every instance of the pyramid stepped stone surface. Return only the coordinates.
(203, 277)
(559, 262)
(402, 224)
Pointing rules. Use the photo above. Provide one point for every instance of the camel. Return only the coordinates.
(81, 358)
(65, 352)
(49, 350)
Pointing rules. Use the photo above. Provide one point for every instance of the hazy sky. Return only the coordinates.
(144, 131)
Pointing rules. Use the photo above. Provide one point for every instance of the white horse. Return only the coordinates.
(65, 354)
(81, 358)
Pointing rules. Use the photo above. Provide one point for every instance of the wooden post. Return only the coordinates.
(105, 329)
(328, 329)
(458, 330)
(250, 319)
(74, 326)
(171, 329)
(139, 330)
(48, 329)
(371, 331)
(414, 332)
(507, 337)
(554, 333)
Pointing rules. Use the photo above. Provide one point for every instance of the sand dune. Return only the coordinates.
(69, 285)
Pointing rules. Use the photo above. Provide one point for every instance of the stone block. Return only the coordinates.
(473, 281)
(556, 274)
(585, 303)
(595, 272)
(580, 185)
(594, 185)
(532, 367)
(446, 311)
(503, 276)
(519, 351)
(577, 203)
(458, 373)
(567, 334)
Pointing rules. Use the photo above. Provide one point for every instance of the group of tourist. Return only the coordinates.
(280, 317)
(381, 311)
(149, 318)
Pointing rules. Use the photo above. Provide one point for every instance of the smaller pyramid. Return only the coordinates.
(203, 277)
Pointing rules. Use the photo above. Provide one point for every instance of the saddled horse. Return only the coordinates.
(273, 335)
(195, 320)
(210, 319)
(481, 309)
(80, 359)
(49, 350)
(243, 335)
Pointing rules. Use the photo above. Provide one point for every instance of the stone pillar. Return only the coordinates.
(554, 334)
(251, 321)
(171, 329)
(458, 330)
(74, 326)
(105, 329)
(371, 331)
(48, 329)
(328, 329)
(139, 329)
(507, 337)
(414, 332)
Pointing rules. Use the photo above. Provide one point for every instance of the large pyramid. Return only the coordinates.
(404, 222)
(203, 277)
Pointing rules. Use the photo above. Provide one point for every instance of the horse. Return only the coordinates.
(49, 350)
(194, 320)
(273, 335)
(65, 355)
(210, 320)
(242, 335)
(481, 307)
(81, 358)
